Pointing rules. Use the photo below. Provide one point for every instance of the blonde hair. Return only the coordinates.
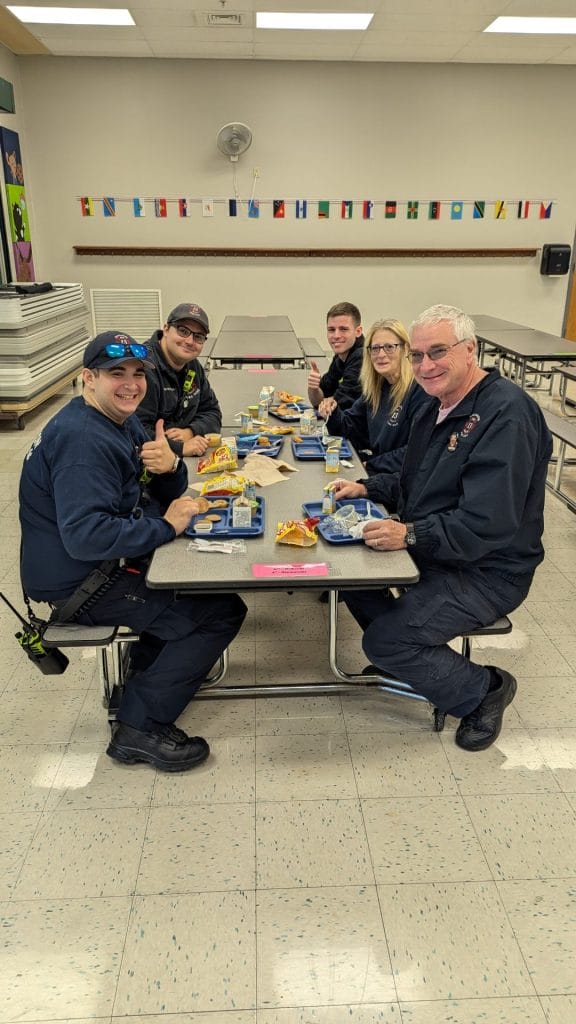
(372, 382)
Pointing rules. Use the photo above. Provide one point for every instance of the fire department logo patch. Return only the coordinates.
(470, 425)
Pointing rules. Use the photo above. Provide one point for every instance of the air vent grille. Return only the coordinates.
(136, 311)
(221, 19)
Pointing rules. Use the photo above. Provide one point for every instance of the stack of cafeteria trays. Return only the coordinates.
(42, 339)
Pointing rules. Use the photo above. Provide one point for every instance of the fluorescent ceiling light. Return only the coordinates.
(72, 15)
(349, 22)
(534, 26)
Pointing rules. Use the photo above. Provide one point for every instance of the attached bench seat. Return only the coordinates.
(565, 431)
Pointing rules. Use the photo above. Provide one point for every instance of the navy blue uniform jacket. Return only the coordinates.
(384, 433)
(165, 400)
(474, 484)
(80, 500)
(342, 379)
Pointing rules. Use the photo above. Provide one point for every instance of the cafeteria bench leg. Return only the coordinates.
(221, 670)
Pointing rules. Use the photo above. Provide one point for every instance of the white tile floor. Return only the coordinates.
(334, 860)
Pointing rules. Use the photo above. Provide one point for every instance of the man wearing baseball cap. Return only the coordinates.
(178, 390)
(88, 535)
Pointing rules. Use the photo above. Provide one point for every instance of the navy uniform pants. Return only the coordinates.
(408, 636)
(180, 641)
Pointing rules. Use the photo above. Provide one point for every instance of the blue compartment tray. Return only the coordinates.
(312, 448)
(224, 527)
(296, 410)
(247, 443)
(314, 508)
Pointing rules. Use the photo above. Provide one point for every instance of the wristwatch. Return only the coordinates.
(410, 534)
(177, 461)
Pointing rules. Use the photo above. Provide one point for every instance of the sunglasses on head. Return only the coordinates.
(119, 349)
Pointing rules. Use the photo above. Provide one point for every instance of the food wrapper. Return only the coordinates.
(299, 532)
(217, 461)
(224, 483)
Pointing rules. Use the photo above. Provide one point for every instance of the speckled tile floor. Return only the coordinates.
(333, 861)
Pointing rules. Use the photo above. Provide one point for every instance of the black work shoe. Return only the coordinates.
(373, 670)
(481, 727)
(160, 748)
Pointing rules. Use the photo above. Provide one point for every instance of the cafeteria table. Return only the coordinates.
(311, 347)
(236, 389)
(238, 347)
(256, 324)
(267, 566)
(484, 322)
(526, 346)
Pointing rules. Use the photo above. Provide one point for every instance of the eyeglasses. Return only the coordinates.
(388, 349)
(187, 332)
(436, 353)
(117, 350)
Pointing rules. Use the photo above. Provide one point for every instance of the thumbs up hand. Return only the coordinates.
(314, 376)
(157, 455)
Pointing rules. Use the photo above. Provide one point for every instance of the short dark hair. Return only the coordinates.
(345, 309)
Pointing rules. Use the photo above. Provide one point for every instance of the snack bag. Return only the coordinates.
(215, 462)
(300, 532)
(224, 483)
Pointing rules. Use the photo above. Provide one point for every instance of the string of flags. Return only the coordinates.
(324, 209)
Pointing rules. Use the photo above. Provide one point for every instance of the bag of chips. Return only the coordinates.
(217, 461)
(224, 483)
(299, 532)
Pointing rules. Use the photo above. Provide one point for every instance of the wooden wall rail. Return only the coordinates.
(163, 250)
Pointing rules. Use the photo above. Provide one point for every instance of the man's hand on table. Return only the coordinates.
(388, 535)
(326, 407)
(180, 512)
(349, 489)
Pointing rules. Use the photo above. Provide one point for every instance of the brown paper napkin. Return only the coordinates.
(263, 470)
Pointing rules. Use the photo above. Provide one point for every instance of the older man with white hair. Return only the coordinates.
(470, 502)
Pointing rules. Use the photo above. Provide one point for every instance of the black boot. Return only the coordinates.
(165, 747)
(481, 727)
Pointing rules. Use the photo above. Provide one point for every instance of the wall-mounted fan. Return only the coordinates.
(234, 139)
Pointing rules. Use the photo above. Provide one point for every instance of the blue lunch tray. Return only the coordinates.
(312, 448)
(224, 528)
(314, 508)
(247, 443)
(292, 417)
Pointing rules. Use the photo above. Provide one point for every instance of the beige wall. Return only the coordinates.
(326, 130)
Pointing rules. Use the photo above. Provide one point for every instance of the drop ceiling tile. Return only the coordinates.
(100, 48)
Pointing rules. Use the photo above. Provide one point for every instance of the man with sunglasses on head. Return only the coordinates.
(87, 537)
(178, 389)
(470, 502)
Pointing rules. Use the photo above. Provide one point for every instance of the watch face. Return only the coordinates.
(410, 534)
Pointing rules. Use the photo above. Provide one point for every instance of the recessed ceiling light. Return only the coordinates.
(72, 16)
(340, 21)
(534, 26)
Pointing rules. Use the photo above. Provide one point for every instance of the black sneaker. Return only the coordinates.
(163, 748)
(481, 727)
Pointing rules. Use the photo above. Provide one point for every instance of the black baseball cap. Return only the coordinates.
(112, 348)
(189, 311)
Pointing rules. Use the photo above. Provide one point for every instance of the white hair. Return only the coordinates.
(462, 324)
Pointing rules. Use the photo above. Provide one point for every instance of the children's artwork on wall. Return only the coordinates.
(11, 157)
(17, 206)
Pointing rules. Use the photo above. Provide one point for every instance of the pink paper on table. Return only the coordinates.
(288, 569)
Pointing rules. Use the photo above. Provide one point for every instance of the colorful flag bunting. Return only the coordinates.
(523, 208)
(323, 209)
(346, 209)
(412, 211)
(390, 209)
(232, 207)
(279, 209)
(253, 208)
(160, 208)
(109, 206)
(368, 209)
(207, 207)
(87, 207)
(184, 207)
(456, 210)
(434, 210)
(479, 207)
(500, 209)
(139, 208)
(301, 209)
(545, 211)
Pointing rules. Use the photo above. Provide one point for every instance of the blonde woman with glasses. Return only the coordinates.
(379, 421)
